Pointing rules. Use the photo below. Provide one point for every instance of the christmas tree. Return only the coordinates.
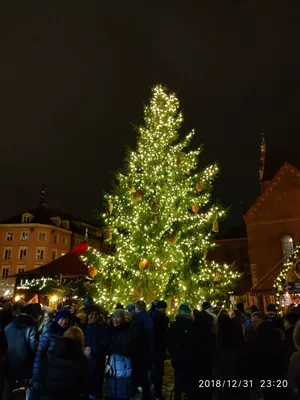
(158, 219)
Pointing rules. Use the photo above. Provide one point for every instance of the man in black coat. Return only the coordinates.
(160, 342)
(22, 340)
(182, 349)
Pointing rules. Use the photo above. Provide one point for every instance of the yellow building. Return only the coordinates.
(37, 237)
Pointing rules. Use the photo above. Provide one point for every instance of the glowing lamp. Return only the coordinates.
(54, 299)
(17, 298)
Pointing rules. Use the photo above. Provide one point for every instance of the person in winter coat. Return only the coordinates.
(230, 356)
(274, 318)
(6, 315)
(290, 321)
(48, 340)
(182, 347)
(96, 340)
(293, 374)
(142, 358)
(205, 328)
(66, 372)
(118, 383)
(47, 321)
(267, 357)
(161, 325)
(22, 341)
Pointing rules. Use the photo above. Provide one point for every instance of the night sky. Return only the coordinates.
(74, 77)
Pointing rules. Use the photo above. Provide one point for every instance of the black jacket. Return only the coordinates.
(160, 334)
(65, 375)
(267, 353)
(182, 342)
(22, 341)
(96, 336)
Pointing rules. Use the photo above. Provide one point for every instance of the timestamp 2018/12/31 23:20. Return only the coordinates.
(242, 383)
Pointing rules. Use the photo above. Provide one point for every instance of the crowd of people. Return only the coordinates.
(215, 353)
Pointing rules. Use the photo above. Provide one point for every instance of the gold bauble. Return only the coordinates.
(132, 189)
(155, 219)
(216, 278)
(215, 227)
(195, 208)
(172, 239)
(93, 272)
(199, 187)
(110, 208)
(138, 195)
(179, 159)
(108, 232)
(144, 264)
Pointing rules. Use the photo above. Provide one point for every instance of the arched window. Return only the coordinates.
(287, 245)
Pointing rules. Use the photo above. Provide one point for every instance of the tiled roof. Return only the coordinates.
(43, 215)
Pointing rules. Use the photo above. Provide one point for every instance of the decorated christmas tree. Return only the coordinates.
(158, 219)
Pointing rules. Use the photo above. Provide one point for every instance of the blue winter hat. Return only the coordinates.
(130, 307)
(62, 314)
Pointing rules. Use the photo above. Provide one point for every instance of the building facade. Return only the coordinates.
(273, 228)
(37, 237)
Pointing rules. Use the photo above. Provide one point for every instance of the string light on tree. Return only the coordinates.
(156, 218)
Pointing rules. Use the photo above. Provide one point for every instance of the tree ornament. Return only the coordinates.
(172, 239)
(199, 186)
(179, 159)
(108, 232)
(155, 219)
(154, 207)
(195, 208)
(110, 208)
(93, 272)
(154, 117)
(216, 278)
(132, 189)
(144, 264)
(205, 255)
(215, 227)
(138, 195)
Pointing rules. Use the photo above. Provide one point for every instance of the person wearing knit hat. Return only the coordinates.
(131, 309)
(184, 309)
(47, 342)
(181, 348)
(118, 384)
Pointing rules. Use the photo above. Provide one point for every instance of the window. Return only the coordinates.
(65, 240)
(5, 273)
(9, 236)
(23, 254)
(56, 221)
(40, 254)
(24, 236)
(287, 245)
(27, 218)
(55, 238)
(7, 254)
(42, 236)
(21, 270)
(65, 224)
(54, 255)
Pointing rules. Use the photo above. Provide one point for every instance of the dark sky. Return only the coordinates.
(74, 76)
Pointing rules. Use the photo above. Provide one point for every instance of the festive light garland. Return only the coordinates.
(158, 213)
(291, 260)
(41, 283)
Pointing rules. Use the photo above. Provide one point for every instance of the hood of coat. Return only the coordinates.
(22, 321)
